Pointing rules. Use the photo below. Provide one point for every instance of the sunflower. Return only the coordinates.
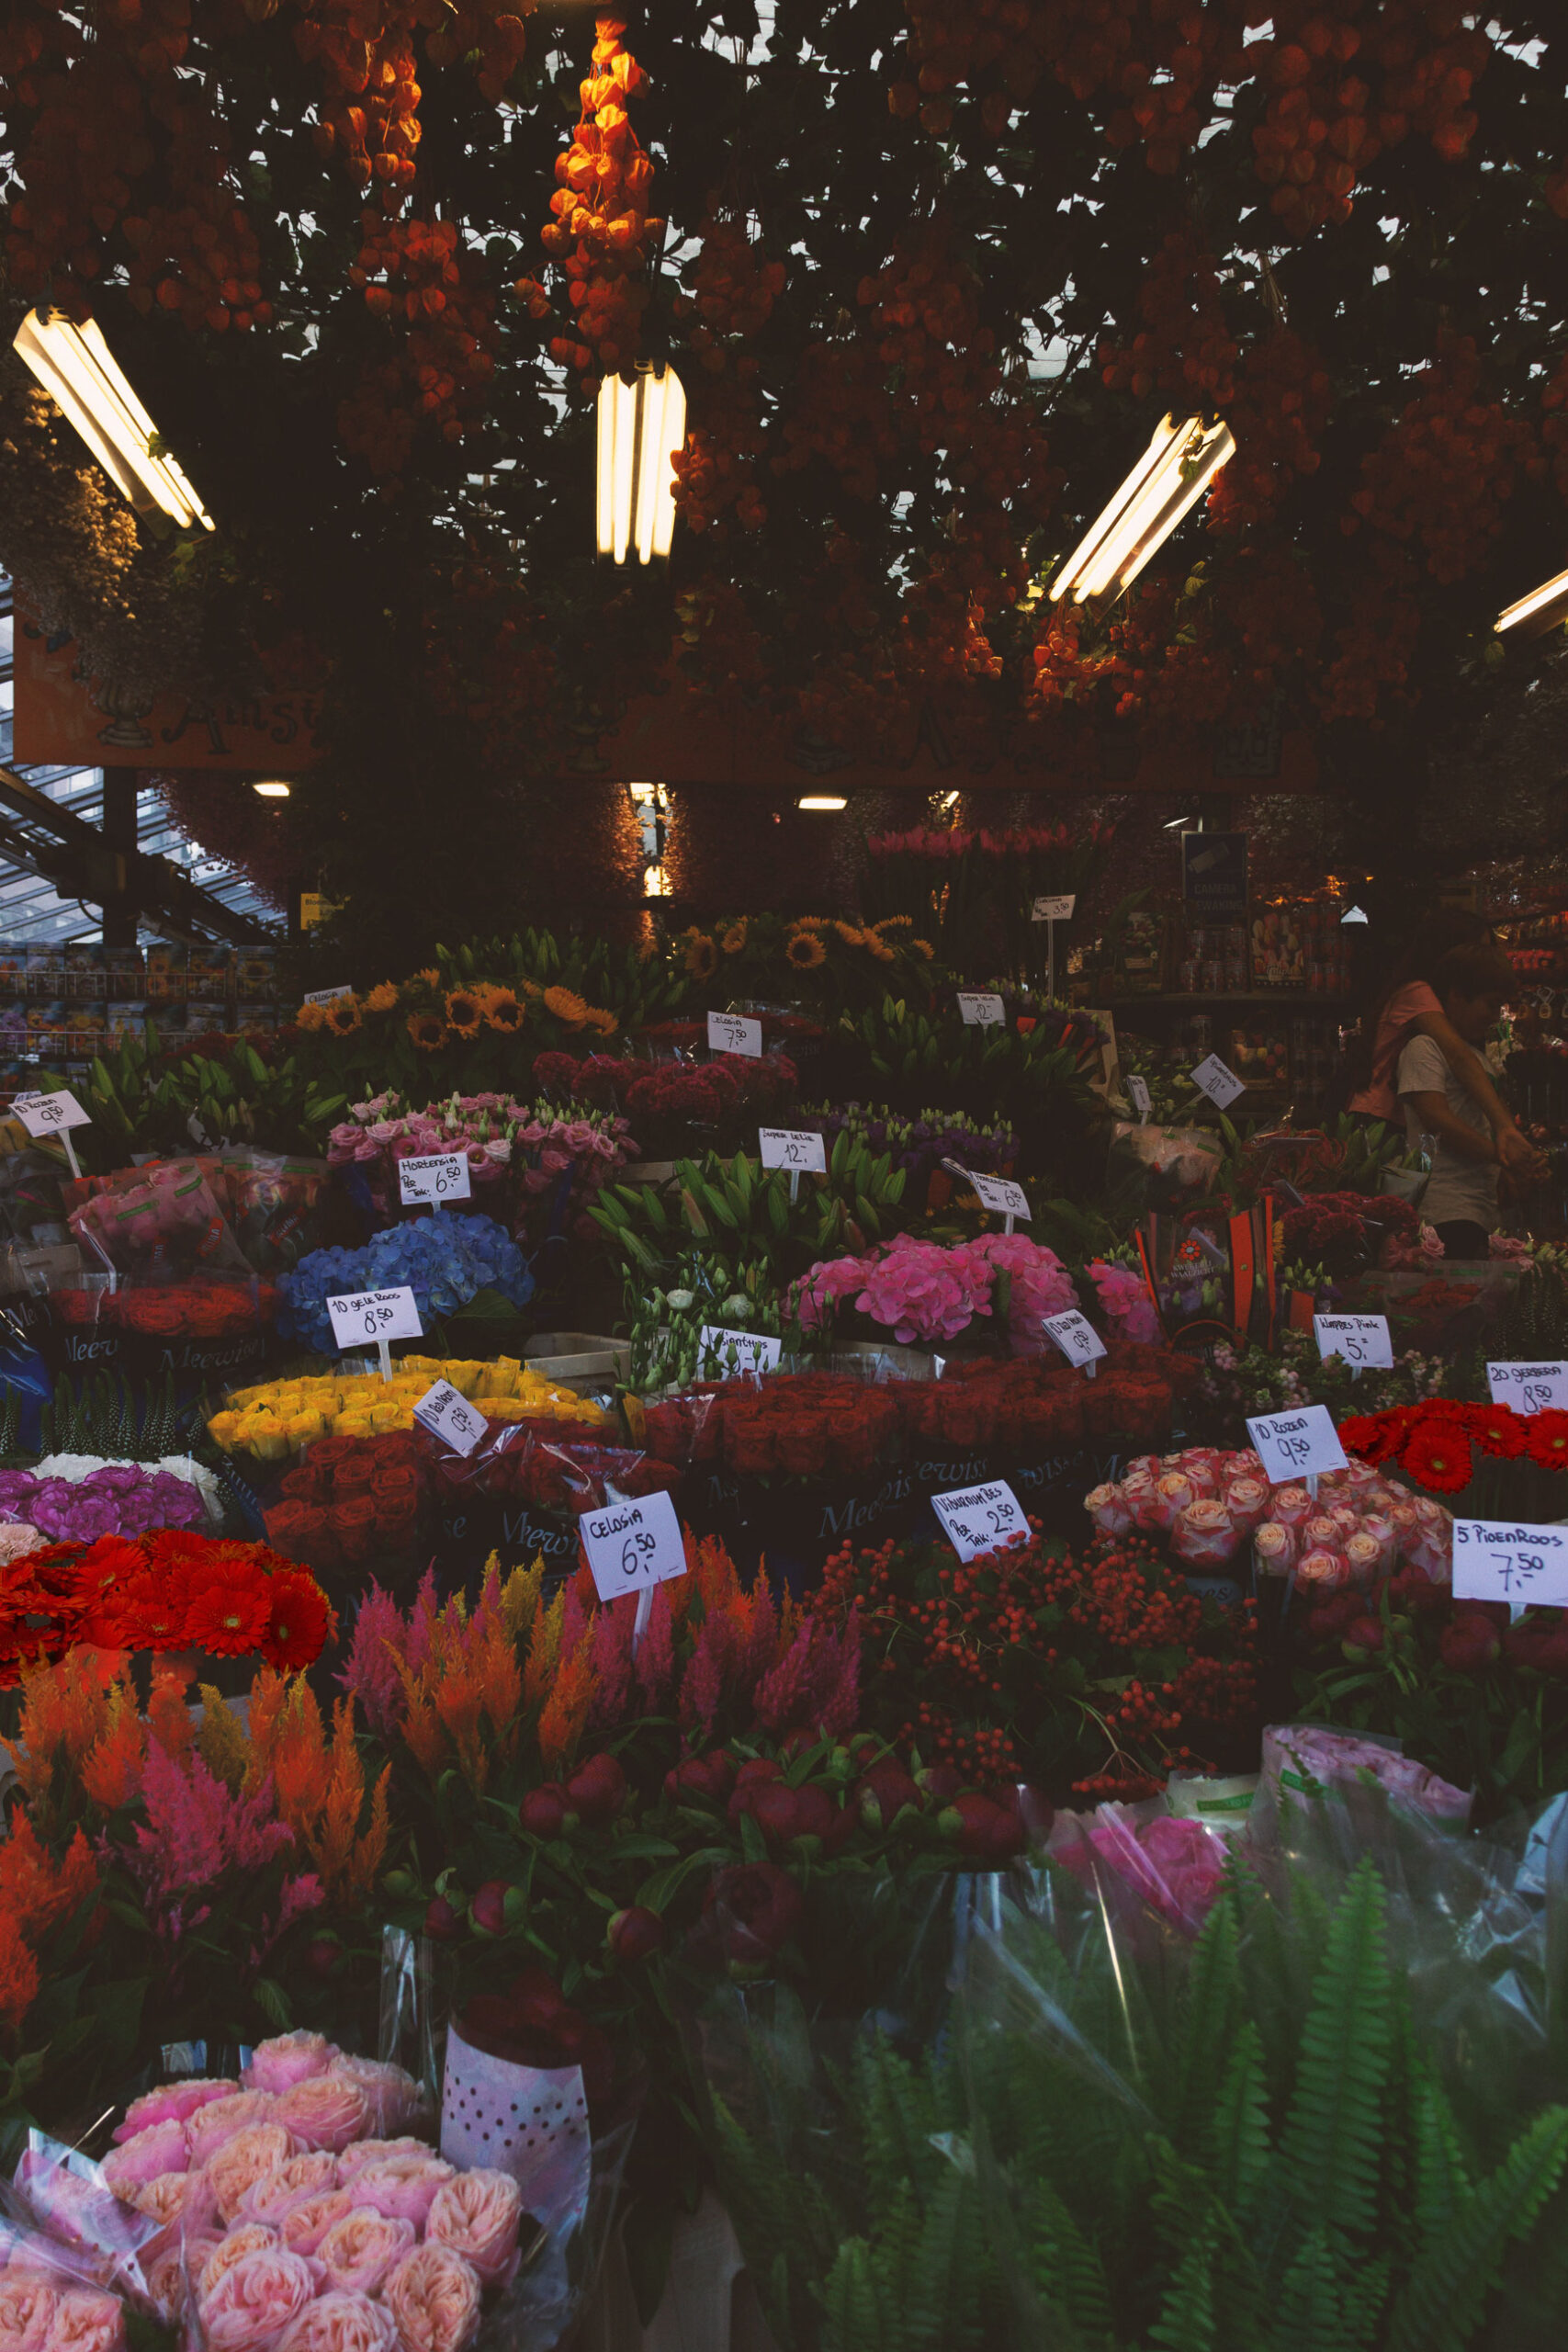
(343, 1016)
(605, 1023)
(894, 923)
(811, 922)
(734, 939)
(702, 956)
(428, 1030)
(850, 933)
(566, 1006)
(382, 997)
(805, 951)
(923, 947)
(310, 1017)
(430, 976)
(504, 1010)
(464, 1012)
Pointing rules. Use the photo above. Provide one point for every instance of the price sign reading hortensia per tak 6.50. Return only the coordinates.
(433, 1176)
(363, 1316)
(1296, 1445)
(631, 1545)
(980, 1518)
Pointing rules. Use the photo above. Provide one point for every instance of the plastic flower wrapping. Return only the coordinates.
(446, 1260)
(1208, 1505)
(279, 1418)
(515, 1150)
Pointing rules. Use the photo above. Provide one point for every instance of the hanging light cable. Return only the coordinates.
(76, 367)
(1167, 480)
(641, 426)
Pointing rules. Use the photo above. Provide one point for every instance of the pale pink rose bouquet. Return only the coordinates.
(50, 2299)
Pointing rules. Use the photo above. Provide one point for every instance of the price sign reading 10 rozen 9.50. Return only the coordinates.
(1296, 1445)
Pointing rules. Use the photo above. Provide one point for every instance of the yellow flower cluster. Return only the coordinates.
(283, 1417)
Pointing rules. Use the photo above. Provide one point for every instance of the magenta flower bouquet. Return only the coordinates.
(118, 1500)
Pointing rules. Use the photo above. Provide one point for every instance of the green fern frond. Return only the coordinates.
(1186, 2321)
(1442, 2178)
(1238, 2135)
(1065, 2270)
(1443, 2298)
(1333, 2133)
(1310, 2316)
(1208, 2022)
(852, 2313)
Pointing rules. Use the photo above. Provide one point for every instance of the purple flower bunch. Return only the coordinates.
(118, 1500)
(916, 1146)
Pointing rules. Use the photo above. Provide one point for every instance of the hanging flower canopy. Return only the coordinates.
(930, 281)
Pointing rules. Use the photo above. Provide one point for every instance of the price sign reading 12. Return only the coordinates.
(631, 1545)
(980, 1518)
(796, 1148)
(1296, 1445)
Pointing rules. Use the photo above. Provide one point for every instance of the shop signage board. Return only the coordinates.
(1214, 876)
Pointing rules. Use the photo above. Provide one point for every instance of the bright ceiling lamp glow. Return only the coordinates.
(641, 426)
(821, 800)
(1541, 610)
(76, 367)
(273, 789)
(1167, 480)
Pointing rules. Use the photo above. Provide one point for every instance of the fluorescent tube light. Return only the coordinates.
(76, 367)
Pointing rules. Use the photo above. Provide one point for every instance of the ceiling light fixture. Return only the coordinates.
(641, 426)
(76, 367)
(1168, 479)
(1353, 914)
(821, 800)
(273, 789)
(1541, 610)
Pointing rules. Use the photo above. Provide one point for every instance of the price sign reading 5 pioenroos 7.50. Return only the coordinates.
(1075, 1336)
(1530, 1387)
(980, 1518)
(732, 1032)
(447, 1414)
(1296, 1445)
(1362, 1340)
(370, 1315)
(1525, 1566)
(433, 1176)
(796, 1148)
(633, 1545)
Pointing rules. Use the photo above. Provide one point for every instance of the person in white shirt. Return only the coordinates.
(1472, 983)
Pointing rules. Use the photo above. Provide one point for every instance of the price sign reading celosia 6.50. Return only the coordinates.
(793, 1147)
(1075, 1336)
(1361, 1339)
(1000, 1195)
(374, 1315)
(1296, 1445)
(732, 1032)
(980, 1518)
(633, 1545)
(433, 1176)
(447, 1414)
(1525, 1566)
(979, 1009)
(1530, 1387)
(49, 1114)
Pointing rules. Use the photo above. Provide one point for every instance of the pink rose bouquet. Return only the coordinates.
(434, 2296)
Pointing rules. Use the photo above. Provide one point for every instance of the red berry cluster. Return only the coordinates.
(1179, 51)
(1554, 432)
(1184, 349)
(370, 112)
(488, 661)
(955, 42)
(1279, 407)
(600, 225)
(734, 292)
(416, 273)
(1442, 475)
(1377, 644)
(1269, 606)
(1324, 123)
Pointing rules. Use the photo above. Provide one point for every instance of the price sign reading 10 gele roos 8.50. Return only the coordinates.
(363, 1316)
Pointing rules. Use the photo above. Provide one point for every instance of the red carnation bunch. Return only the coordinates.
(1435, 1443)
(166, 1591)
(350, 1500)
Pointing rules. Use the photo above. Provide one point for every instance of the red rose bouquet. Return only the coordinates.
(352, 1499)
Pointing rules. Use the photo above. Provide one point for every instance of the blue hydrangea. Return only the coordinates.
(444, 1260)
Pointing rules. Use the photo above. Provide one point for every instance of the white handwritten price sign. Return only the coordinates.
(1220, 1084)
(1530, 1387)
(980, 1518)
(447, 1414)
(999, 1194)
(632, 1546)
(738, 1351)
(1138, 1095)
(978, 1008)
(1075, 1336)
(731, 1033)
(1053, 909)
(433, 1176)
(1296, 1445)
(49, 1114)
(1361, 1339)
(794, 1148)
(328, 996)
(1526, 1567)
(378, 1315)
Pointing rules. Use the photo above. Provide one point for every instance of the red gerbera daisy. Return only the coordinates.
(167, 1544)
(1547, 1438)
(1500, 1430)
(152, 1613)
(1439, 1458)
(1375, 1436)
(227, 1619)
(300, 1624)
